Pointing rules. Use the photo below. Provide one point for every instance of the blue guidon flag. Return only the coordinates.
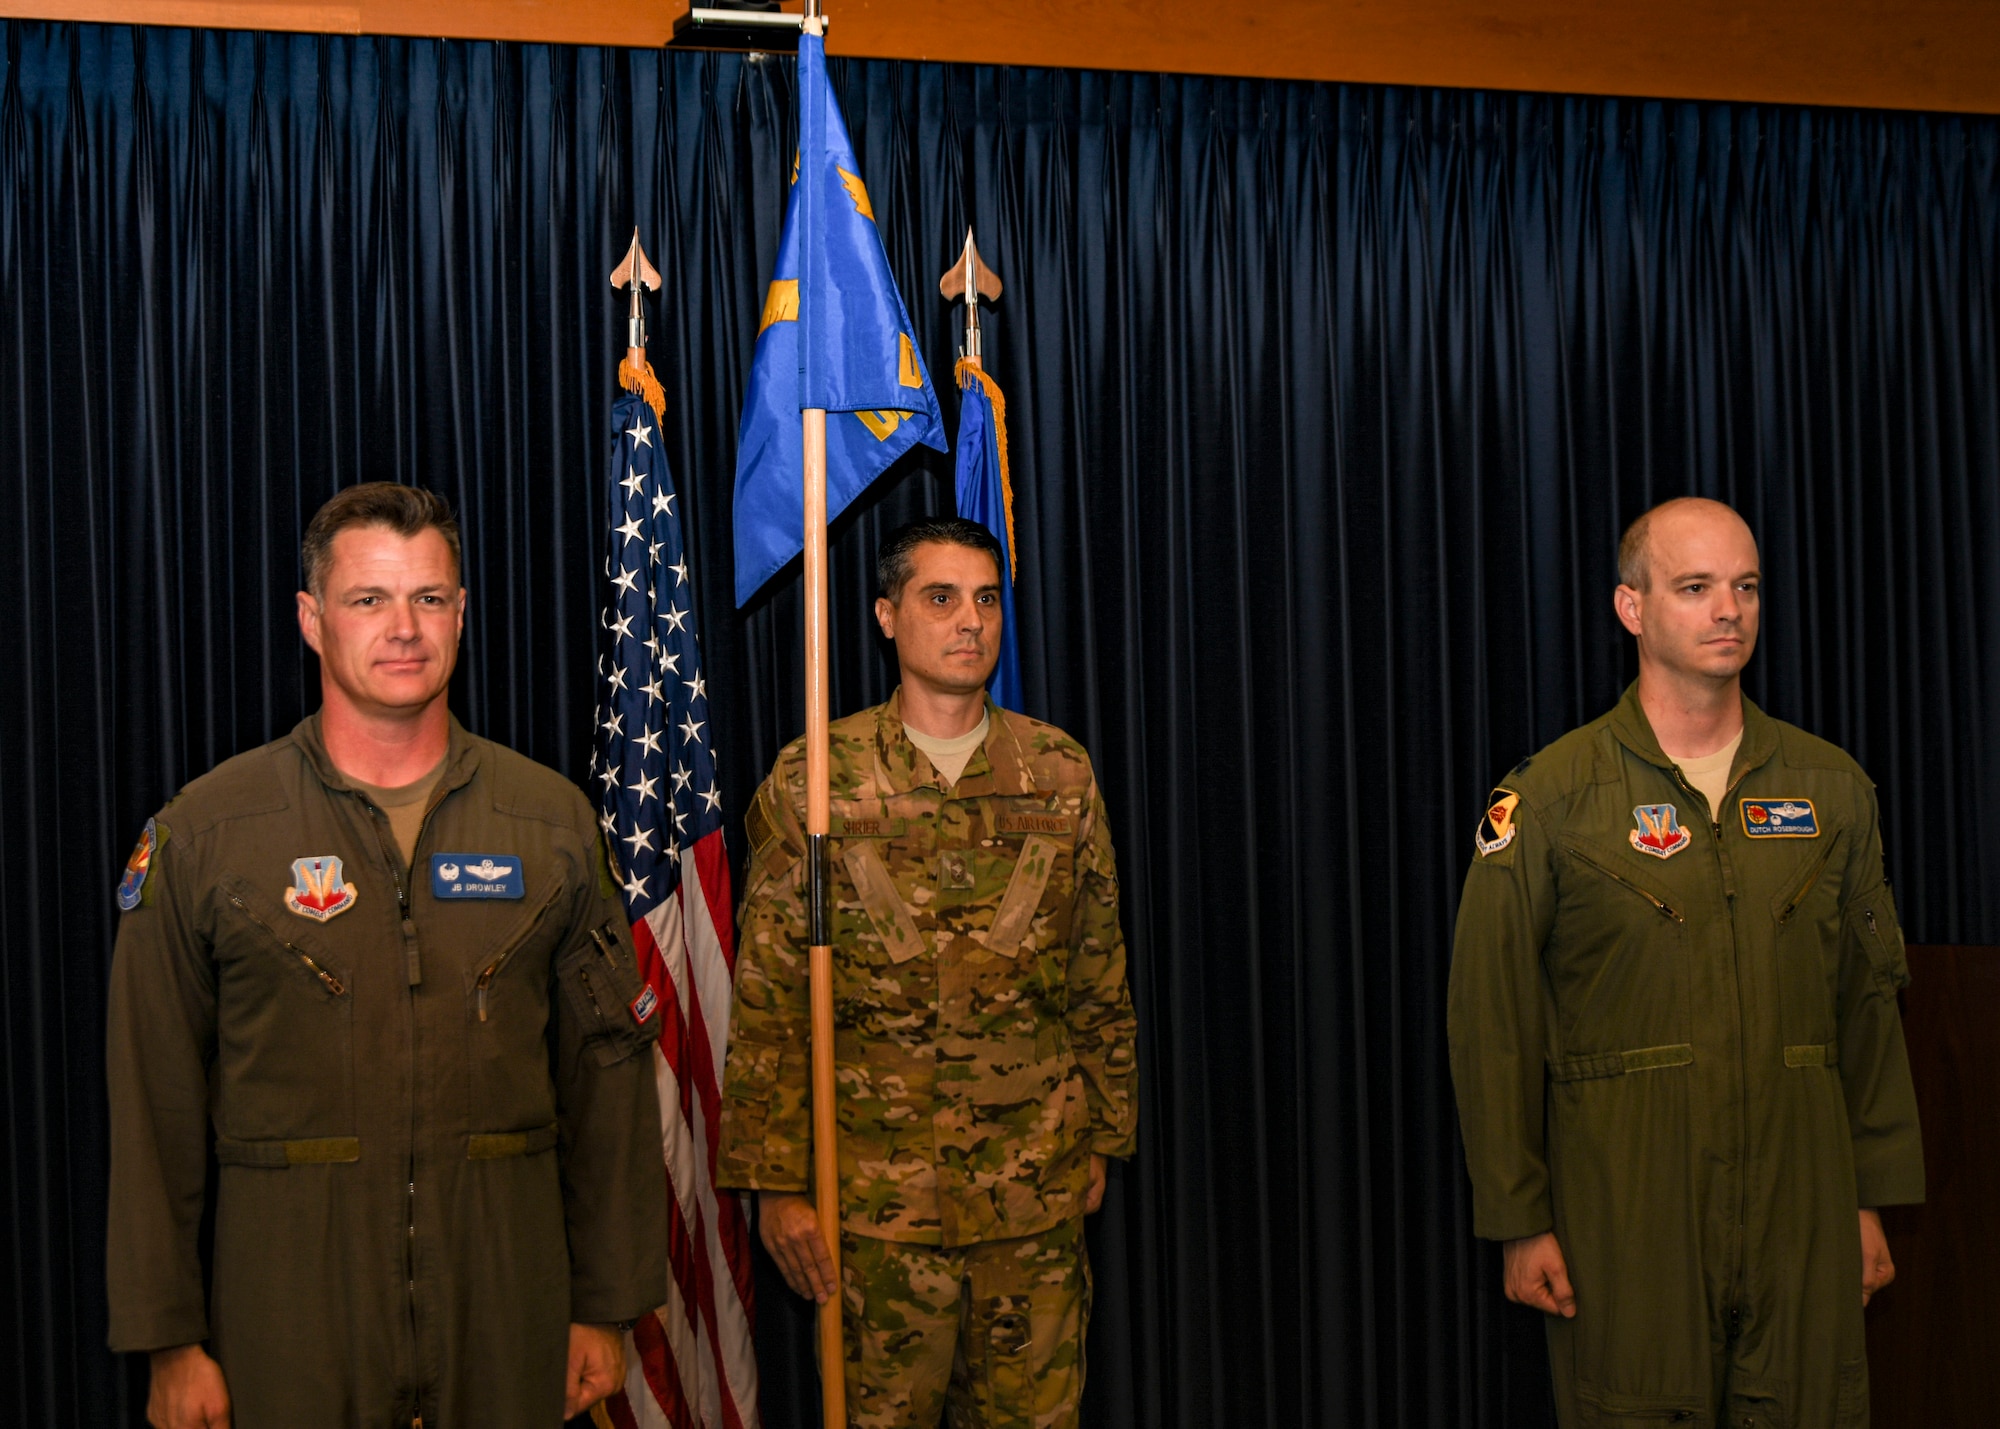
(986, 495)
(834, 335)
(693, 1362)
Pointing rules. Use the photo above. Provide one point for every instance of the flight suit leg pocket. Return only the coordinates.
(1851, 1399)
(1755, 1404)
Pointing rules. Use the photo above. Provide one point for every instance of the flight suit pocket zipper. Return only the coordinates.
(1661, 906)
(514, 945)
(1806, 887)
(327, 980)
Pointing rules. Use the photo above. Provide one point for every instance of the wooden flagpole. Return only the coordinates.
(826, 1155)
(819, 897)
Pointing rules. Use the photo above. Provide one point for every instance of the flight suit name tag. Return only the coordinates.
(1779, 818)
(477, 875)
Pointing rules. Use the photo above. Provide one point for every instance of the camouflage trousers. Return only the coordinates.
(983, 1336)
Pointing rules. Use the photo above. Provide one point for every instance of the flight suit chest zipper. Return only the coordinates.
(492, 969)
(331, 983)
(1728, 876)
(413, 966)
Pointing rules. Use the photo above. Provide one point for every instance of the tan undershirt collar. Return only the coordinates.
(404, 806)
(1710, 774)
(950, 756)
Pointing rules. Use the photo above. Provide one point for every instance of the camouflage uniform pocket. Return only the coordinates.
(749, 1074)
(1010, 1383)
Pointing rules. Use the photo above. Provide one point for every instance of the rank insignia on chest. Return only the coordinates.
(1497, 829)
(137, 867)
(477, 875)
(1659, 833)
(1780, 819)
(319, 889)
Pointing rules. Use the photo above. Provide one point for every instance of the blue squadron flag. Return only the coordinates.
(834, 335)
(986, 495)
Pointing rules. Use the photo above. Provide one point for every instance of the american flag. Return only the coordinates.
(691, 1363)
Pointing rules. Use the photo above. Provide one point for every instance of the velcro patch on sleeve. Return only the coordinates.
(132, 887)
(1497, 828)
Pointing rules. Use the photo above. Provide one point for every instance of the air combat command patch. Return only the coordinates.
(1659, 833)
(319, 890)
(1780, 819)
(133, 885)
(1497, 829)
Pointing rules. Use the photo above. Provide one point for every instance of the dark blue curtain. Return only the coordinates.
(1327, 405)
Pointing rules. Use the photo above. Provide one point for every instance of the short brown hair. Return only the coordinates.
(1634, 569)
(1635, 551)
(406, 510)
(895, 562)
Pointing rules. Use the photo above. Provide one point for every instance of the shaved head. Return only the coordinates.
(1635, 549)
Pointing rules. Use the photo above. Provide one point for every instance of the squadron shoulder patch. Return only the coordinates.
(133, 885)
(1659, 833)
(319, 890)
(1497, 829)
(1779, 818)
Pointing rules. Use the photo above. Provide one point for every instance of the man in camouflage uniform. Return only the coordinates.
(984, 1033)
(1674, 1035)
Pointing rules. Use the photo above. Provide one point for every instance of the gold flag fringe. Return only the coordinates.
(636, 375)
(966, 366)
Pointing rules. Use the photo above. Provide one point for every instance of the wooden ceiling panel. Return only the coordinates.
(1897, 54)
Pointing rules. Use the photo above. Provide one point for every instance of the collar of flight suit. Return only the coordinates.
(998, 766)
(461, 758)
(1630, 727)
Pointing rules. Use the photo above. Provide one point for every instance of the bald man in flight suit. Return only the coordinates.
(1674, 1033)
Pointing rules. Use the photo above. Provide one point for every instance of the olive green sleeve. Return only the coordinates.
(1874, 1064)
(1103, 1029)
(608, 1112)
(160, 1040)
(766, 1137)
(1495, 1017)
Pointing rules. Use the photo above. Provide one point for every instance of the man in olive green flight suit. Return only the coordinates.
(378, 970)
(985, 1042)
(1674, 1034)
